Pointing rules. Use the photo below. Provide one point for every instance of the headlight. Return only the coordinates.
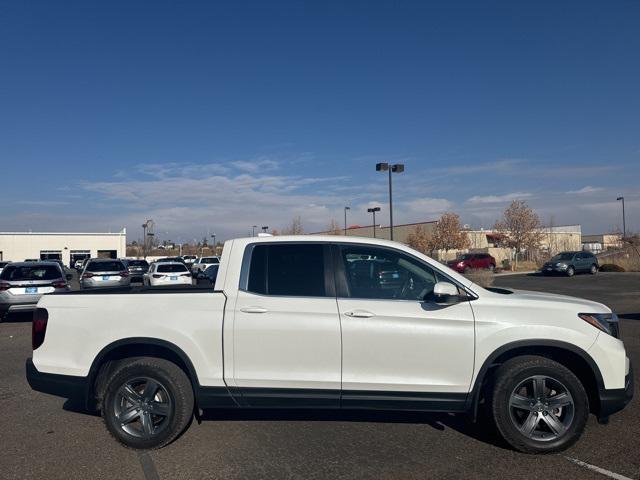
(561, 265)
(602, 321)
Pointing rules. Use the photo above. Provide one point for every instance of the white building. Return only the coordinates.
(68, 247)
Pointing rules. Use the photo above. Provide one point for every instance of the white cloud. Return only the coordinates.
(255, 166)
(585, 190)
(508, 197)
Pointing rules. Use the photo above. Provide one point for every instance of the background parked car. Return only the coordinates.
(2, 265)
(165, 273)
(137, 269)
(100, 272)
(189, 260)
(23, 283)
(201, 264)
(78, 264)
(209, 275)
(569, 263)
(472, 261)
(170, 260)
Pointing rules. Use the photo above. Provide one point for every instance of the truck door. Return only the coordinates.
(286, 334)
(401, 350)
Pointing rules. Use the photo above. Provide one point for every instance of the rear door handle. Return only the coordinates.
(253, 310)
(359, 314)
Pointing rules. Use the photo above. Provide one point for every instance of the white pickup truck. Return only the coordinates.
(332, 322)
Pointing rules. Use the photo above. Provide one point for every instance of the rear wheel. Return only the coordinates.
(593, 270)
(539, 405)
(148, 402)
(571, 271)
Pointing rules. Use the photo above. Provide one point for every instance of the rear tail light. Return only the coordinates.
(60, 284)
(124, 273)
(155, 275)
(39, 327)
(87, 275)
(4, 286)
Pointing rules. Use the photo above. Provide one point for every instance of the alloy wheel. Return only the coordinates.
(541, 408)
(143, 407)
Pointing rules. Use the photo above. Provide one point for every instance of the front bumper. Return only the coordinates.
(614, 400)
(66, 386)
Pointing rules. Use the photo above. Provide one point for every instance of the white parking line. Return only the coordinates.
(602, 471)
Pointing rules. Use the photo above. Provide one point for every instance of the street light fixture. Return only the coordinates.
(345, 220)
(374, 210)
(253, 230)
(265, 228)
(624, 223)
(396, 168)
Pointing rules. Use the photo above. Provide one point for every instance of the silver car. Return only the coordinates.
(104, 272)
(23, 283)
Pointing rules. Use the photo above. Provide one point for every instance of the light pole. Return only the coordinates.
(624, 223)
(396, 168)
(345, 220)
(215, 247)
(253, 230)
(374, 210)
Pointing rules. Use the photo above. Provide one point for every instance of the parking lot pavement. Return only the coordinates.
(46, 437)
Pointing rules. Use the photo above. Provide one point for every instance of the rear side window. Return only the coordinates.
(169, 268)
(45, 272)
(105, 267)
(210, 260)
(291, 270)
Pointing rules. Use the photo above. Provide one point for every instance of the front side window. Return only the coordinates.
(386, 274)
(287, 269)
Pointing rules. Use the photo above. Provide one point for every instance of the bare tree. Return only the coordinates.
(421, 240)
(521, 226)
(295, 228)
(449, 234)
(334, 228)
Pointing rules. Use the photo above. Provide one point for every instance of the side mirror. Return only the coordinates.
(69, 276)
(445, 293)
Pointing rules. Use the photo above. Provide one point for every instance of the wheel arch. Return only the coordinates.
(574, 358)
(132, 347)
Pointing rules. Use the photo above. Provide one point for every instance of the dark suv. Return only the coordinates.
(472, 261)
(570, 263)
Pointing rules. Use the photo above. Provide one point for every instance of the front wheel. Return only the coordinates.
(539, 405)
(147, 403)
(571, 272)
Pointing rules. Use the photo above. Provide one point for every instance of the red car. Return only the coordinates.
(472, 261)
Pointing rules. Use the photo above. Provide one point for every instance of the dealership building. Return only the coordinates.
(68, 247)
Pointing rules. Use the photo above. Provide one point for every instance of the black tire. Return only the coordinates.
(466, 270)
(593, 269)
(492, 267)
(571, 271)
(173, 401)
(572, 418)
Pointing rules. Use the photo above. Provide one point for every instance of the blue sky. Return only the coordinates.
(215, 116)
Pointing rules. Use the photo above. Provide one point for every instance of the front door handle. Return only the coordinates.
(253, 310)
(359, 314)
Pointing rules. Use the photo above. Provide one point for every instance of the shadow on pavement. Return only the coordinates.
(483, 430)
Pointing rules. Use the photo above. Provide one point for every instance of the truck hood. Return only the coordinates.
(586, 306)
